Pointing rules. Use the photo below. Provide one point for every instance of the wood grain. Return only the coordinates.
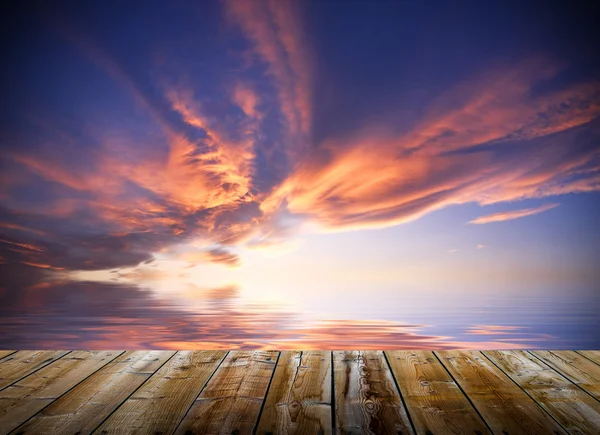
(85, 407)
(594, 355)
(25, 398)
(366, 398)
(297, 392)
(299, 398)
(505, 407)
(22, 363)
(576, 368)
(575, 410)
(231, 401)
(434, 401)
(159, 404)
(4, 353)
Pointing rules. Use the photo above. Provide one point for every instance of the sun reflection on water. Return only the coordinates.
(164, 305)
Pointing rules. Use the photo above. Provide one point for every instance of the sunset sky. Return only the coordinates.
(298, 153)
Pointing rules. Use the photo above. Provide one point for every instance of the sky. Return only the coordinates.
(363, 167)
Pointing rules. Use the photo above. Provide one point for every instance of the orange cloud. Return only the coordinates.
(217, 255)
(278, 39)
(497, 106)
(188, 180)
(379, 178)
(515, 214)
(41, 266)
(192, 176)
(213, 176)
(223, 256)
(225, 170)
(22, 228)
(26, 246)
(245, 97)
(494, 138)
(52, 169)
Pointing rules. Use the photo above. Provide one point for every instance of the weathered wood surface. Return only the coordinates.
(299, 399)
(82, 409)
(4, 353)
(299, 392)
(366, 398)
(575, 410)
(505, 407)
(434, 401)
(161, 403)
(593, 355)
(231, 402)
(25, 398)
(575, 367)
(22, 363)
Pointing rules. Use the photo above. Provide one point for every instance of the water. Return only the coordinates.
(183, 314)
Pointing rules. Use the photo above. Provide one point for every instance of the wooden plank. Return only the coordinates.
(575, 410)
(159, 404)
(22, 363)
(231, 401)
(594, 355)
(504, 406)
(25, 398)
(434, 401)
(366, 398)
(299, 398)
(82, 409)
(4, 353)
(574, 367)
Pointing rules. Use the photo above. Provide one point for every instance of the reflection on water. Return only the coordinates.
(42, 313)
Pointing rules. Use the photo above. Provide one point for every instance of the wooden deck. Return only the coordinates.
(294, 392)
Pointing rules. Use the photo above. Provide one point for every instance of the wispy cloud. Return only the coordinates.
(216, 255)
(497, 106)
(201, 170)
(246, 98)
(277, 36)
(469, 148)
(510, 215)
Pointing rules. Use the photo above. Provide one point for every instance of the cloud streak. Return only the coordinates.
(238, 166)
(514, 214)
(497, 143)
(217, 255)
(278, 39)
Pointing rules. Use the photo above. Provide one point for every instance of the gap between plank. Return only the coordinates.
(463, 392)
(589, 359)
(8, 354)
(333, 401)
(74, 386)
(132, 393)
(410, 421)
(525, 391)
(564, 376)
(201, 389)
(264, 402)
(39, 368)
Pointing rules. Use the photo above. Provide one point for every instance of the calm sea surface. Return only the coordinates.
(185, 315)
